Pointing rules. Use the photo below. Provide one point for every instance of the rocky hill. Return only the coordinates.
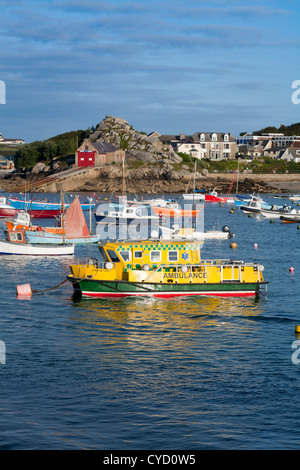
(138, 145)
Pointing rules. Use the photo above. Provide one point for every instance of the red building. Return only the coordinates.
(97, 154)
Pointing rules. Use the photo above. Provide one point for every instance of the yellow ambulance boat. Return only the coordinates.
(166, 268)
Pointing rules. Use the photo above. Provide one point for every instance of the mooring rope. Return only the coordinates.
(51, 288)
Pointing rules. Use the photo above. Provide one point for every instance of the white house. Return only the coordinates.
(291, 154)
(190, 147)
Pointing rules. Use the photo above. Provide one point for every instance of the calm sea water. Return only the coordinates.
(149, 374)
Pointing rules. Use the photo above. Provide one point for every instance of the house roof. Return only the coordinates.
(187, 140)
(197, 137)
(294, 151)
(103, 147)
(208, 136)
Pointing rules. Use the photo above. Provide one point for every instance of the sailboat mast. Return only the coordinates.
(123, 178)
(63, 215)
(237, 177)
(194, 185)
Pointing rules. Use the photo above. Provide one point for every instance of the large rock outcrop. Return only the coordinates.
(145, 148)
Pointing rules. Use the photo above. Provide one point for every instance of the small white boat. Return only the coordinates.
(160, 202)
(295, 198)
(191, 234)
(275, 212)
(17, 245)
(194, 196)
(125, 215)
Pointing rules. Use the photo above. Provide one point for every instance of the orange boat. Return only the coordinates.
(174, 212)
(22, 222)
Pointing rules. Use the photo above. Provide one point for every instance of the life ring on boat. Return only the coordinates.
(39, 229)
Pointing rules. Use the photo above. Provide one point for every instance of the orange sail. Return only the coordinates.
(75, 223)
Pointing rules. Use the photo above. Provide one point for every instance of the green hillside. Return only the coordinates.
(45, 151)
(292, 129)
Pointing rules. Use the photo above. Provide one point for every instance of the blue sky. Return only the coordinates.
(167, 66)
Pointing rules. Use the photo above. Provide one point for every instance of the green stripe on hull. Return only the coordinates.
(98, 288)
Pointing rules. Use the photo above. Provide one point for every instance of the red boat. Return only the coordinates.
(213, 197)
(6, 209)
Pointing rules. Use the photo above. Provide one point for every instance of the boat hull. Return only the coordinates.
(44, 205)
(194, 197)
(176, 212)
(48, 238)
(212, 198)
(34, 213)
(10, 248)
(94, 288)
(8, 211)
(123, 220)
(272, 214)
(290, 219)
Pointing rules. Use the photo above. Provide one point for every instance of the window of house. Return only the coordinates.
(226, 137)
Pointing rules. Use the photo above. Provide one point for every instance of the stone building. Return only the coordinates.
(96, 154)
(210, 145)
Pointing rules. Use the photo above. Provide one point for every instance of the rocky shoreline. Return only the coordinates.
(151, 167)
(151, 180)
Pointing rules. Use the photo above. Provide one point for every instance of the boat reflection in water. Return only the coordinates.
(137, 317)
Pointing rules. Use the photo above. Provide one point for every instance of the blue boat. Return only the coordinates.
(255, 204)
(58, 239)
(22, 204)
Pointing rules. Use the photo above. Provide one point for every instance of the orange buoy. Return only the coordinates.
(291, 269)
(24, 290)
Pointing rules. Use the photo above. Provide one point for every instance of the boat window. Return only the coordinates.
(155, 256)
(16, 236)
(172, 255)
(113, 256)
(125, 255)
(103, 254)
(138, 254)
